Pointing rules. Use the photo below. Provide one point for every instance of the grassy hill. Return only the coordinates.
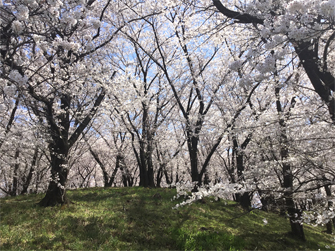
(143, 219)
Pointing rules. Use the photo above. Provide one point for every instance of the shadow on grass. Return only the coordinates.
(78, 233)
(150, 222)
(101, 195)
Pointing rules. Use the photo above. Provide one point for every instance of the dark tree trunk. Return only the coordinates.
(192, 144)
(147, 178)
(330, 224)
(59, 148)
(294, 216)
(56, 193)
(143, 166)
(30, 174)
(102, 166)
(293, 212)
(159, 176)
(245, 198)
(118, 163)
(127, 180)
(150, 173)
(168, 179)
(13, 191)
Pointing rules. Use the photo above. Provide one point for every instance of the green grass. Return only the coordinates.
(133, 219)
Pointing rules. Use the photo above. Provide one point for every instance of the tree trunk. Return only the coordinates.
(142, 164)
(13, 191)
(244, 199)
(150, 172)
(167, 178)
(330, 205)
(159, 176)
(30, 175)
(192, 143)
(118, 163)
(56, 193)
(293, 212)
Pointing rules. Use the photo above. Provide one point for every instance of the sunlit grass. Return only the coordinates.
(135, 219)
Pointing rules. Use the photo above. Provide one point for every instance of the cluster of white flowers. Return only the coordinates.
(319, 217)
(236, 65)
(17, 77)
(265, 32)
(68, 20)
(184, 188)
(89, 46)
(87, 37)
(22, 13)
(296, 6)
(70, 45)
(9, 90)
(43, 45)
(37, 38)
(96, 24)
(327, 8)
(268, 65)
(17, 27)
(219, 190)
(3, 108)
(306, 19)
(55, 3)
(54, 12)
(31, 3)
(299, 33)
(245, 82)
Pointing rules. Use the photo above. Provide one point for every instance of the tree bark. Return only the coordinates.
(30, 174)
(13, 191)
(293, 212)
(330, 224)
(61, 143)
(56, 193)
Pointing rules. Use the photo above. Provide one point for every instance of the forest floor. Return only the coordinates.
(143, 219)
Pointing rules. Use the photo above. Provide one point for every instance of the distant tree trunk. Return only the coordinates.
(31, 171)
(149, 161)
(159, 176)
(145, 164)
(13, 191)
(330, 224)
(118, 163)
(142, 166)
(127, 179)
(245, 198)
(168, 179)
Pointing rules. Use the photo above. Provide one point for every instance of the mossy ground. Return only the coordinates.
(136, 219)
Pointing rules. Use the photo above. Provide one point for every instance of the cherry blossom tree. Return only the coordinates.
(305, 26)
(50, 53)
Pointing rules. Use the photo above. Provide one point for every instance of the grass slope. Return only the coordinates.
(142, 219)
